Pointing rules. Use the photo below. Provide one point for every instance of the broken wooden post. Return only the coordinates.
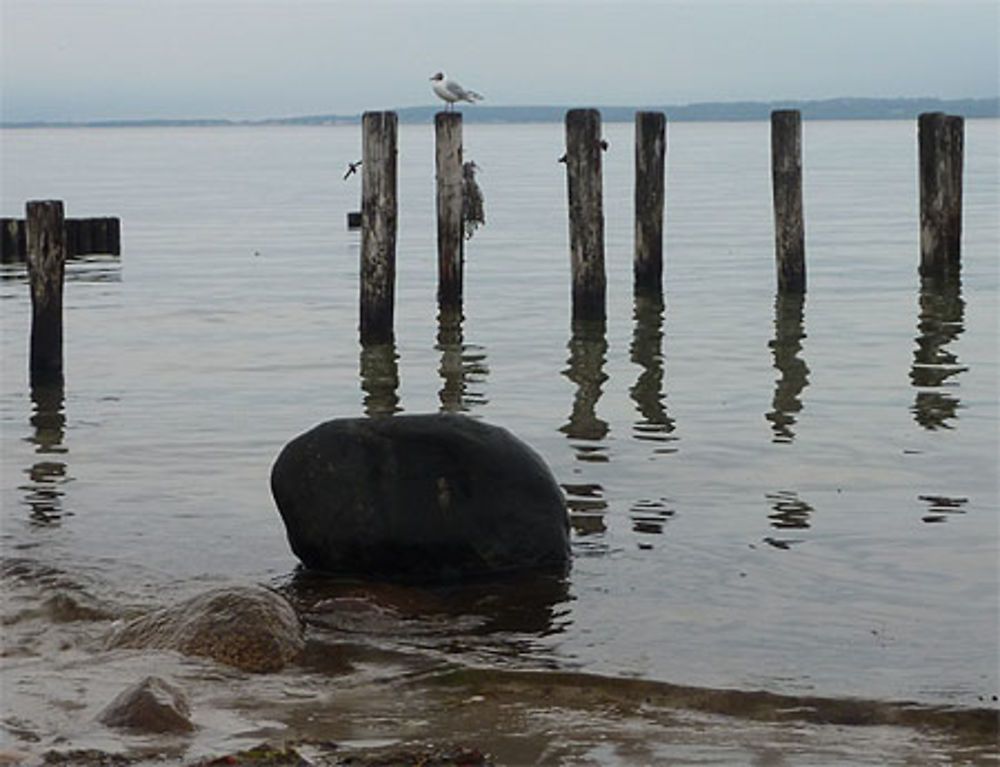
(378, 225)
(46, 242)
(786, 177)
(586, 213)
(448, 162)
(650, 152)
(941, 139)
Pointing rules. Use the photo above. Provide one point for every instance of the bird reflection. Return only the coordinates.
(380, 378)
(462, 366)
(43, 493)
(789, 330)
(588, 349)
(788, 512)
(941, 320)
(647, 392)
(942, 507)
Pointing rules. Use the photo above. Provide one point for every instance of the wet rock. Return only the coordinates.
(328, 753)
(67, 608)
(248, 627)
(152, 706)
(419, 497)
(86, 757)
(11, 757)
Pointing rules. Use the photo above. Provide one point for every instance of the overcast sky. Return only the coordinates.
(96, 59)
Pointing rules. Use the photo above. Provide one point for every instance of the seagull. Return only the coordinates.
(451, 91)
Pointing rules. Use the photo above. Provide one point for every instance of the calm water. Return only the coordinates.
(796, 496)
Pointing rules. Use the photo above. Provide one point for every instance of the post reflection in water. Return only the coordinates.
(587, 507)
(588, 348)
(650, 516)
(647, 392)
(463, 366)
(789, 330)
(380, 378)
(43, 494)
(941, 321)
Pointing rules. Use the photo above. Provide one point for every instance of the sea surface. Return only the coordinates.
(796, 496)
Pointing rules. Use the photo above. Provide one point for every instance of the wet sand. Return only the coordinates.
(470, 716)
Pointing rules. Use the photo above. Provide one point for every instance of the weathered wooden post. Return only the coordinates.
(941, 139)
(12, 240)
(786, 178)
(650, 153)
(46, 241)
(448, 161)
(586, 213)
(378, 225)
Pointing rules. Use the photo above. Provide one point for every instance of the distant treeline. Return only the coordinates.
(722, 111)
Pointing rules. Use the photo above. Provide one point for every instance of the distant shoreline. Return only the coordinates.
(727, 111)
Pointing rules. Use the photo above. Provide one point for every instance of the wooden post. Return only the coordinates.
(650, 152)
(941, 139)
(586, 213)
(114, 236)
(72, 228)
(786, 176)
(378, 226)
(12, 240)
(84, 244)
(450, 242)
(46, 241)
(98, 231)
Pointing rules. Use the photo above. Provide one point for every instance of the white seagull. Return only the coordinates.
(451, 91)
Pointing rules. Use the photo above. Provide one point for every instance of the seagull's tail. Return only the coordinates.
(473, 96)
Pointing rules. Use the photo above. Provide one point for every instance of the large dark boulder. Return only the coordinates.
(419, 497)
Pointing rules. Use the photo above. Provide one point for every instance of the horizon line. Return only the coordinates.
(735, 111)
